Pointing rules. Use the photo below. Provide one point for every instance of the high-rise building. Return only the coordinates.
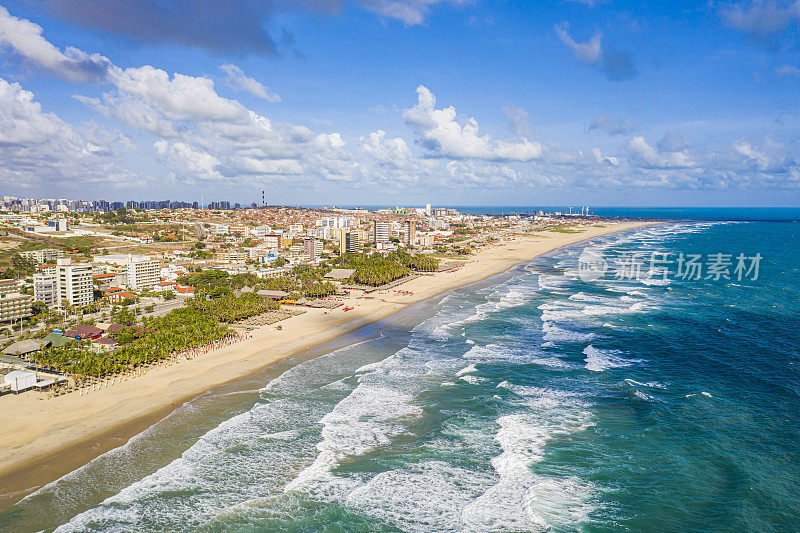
(74, 283)
(45, 288)
(428, 209)
(380, 231)
(409, 232)
(350, 241)
(143, 273)
(312, 248)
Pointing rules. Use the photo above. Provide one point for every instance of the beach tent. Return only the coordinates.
(25, 347)
(20, 380)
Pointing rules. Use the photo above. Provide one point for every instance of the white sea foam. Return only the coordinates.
(521, 500)
(651, 384)
(429, 496)
(370, 417)
(599, 360)
(467, 370)
(555, 334)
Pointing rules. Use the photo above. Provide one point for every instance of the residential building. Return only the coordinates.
(426, 241)
(45, 288)
(350, 241)
(409, 232)
(46, 269)
(58, 224)
(47, 255)
(238, 229)
(273, 241)
(143, 273)
(10, 286)
(231, 256)
(312, 248)
(380, 231)
(15, 306)
(74, 283)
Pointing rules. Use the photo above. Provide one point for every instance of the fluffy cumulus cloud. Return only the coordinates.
(617, 66)
(652, 157)
(237, 80)
(441, 135)
(38, 147)
(761, 18)
(198, 136)
(25, 39)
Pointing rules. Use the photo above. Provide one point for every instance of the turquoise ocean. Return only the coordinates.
(534, 400)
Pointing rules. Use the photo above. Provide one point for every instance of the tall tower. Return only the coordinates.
(263, 203)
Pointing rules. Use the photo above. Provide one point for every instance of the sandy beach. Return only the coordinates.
(45, 438)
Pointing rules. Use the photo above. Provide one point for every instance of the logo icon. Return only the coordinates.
(591, 264)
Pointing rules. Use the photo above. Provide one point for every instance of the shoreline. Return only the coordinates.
(70, 431)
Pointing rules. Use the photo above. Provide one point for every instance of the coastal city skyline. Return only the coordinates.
(399, 265)
(588, 103)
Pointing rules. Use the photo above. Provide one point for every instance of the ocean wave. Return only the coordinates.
(599, 360)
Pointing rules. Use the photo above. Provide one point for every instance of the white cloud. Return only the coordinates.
(761, 18)
(410, 12)
(179, 98)
(589, 52)
(441, 135)
(517, 120)
(617, 66)
(38, 147)
(237, 80)
(25, 38)
(642, 152)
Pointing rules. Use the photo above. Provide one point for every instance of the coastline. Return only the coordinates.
(47, 438)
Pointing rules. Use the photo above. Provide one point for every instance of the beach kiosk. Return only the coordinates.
(20, 380)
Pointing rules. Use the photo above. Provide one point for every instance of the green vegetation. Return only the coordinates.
(301, 281)
(561, 229)
(201, 322)
(180, 330)
(20, 267)
(232, 308)
(376, 269)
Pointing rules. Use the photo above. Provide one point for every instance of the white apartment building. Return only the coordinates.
(380, 231)
(45, 288)
(218, 229)
(73, 283)
(143, 273)
(48, 255)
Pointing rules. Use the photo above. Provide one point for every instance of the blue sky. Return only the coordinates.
(402, 101)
